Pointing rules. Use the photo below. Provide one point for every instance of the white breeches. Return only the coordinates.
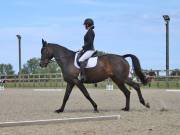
(86, 55)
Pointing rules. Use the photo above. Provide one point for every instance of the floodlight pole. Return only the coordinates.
(19, 44)
(167, 20)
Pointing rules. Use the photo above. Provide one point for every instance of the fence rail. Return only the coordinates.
(56, 80)
(40, 80)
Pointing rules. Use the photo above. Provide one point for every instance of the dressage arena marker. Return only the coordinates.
(2, 88)
(109, 87)
(56, 121)
(47, 90)
(172, 90)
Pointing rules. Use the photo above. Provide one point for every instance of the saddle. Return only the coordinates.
(90, 63)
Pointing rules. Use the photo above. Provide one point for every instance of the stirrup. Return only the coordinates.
(81, 78)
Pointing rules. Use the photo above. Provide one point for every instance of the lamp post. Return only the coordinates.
(167, 20)
(19, 43)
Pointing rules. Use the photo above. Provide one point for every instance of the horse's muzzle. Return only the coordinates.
(42, 64)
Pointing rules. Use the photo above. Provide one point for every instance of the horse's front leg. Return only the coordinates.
(69, 88)
(86, 94)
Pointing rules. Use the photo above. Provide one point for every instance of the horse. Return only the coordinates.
(111, 66)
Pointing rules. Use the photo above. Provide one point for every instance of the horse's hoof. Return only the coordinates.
(58, 111)
(96, 111)
(147, 105)
(125, 109)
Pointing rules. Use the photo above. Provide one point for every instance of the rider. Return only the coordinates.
(88, 47)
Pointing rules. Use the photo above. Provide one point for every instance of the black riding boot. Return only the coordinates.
(82, 74)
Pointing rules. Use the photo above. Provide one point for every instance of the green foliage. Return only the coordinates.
(175, 72)
(99, 53)
(6, 69)
(32, 67)
(150, 73)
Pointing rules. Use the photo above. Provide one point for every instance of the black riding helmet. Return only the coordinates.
(89, 22)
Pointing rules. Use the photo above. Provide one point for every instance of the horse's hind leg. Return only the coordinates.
(126, 92)
(136, 86)
(127, 95)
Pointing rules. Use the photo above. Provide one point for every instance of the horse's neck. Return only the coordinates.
(63, 56)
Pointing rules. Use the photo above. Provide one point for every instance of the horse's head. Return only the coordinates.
(46, 54)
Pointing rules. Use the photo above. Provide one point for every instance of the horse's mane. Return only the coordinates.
(61, 47)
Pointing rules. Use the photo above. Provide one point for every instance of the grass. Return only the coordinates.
(62, 84)
(164, 84)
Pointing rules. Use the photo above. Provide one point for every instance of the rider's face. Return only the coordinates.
(86, 26)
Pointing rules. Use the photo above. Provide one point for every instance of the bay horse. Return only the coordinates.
(108, 66)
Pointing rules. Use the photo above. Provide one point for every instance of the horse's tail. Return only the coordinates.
(137, 68)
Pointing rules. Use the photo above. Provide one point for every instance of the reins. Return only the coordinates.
(59, 58)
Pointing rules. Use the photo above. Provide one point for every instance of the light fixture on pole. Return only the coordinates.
(19, 44)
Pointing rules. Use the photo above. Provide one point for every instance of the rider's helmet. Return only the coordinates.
(89, 22)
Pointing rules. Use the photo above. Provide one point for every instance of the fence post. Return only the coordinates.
(158, 84)
(167, 82)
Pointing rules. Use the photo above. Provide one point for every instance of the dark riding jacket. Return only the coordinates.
(89, 40)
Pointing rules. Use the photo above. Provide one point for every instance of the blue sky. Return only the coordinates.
(121, 26)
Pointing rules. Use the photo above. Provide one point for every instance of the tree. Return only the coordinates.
(6, 69)
(99, 53)
(32, 67)
(175, 72)
(152, 73)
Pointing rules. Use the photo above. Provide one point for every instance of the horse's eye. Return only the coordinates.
(43, 50)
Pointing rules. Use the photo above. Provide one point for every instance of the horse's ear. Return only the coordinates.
(44, 43)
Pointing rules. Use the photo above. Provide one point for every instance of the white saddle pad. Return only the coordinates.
(92, 62)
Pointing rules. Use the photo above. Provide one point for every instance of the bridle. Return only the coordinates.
(52, 60)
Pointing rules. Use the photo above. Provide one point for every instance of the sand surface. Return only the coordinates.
(163, 118)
